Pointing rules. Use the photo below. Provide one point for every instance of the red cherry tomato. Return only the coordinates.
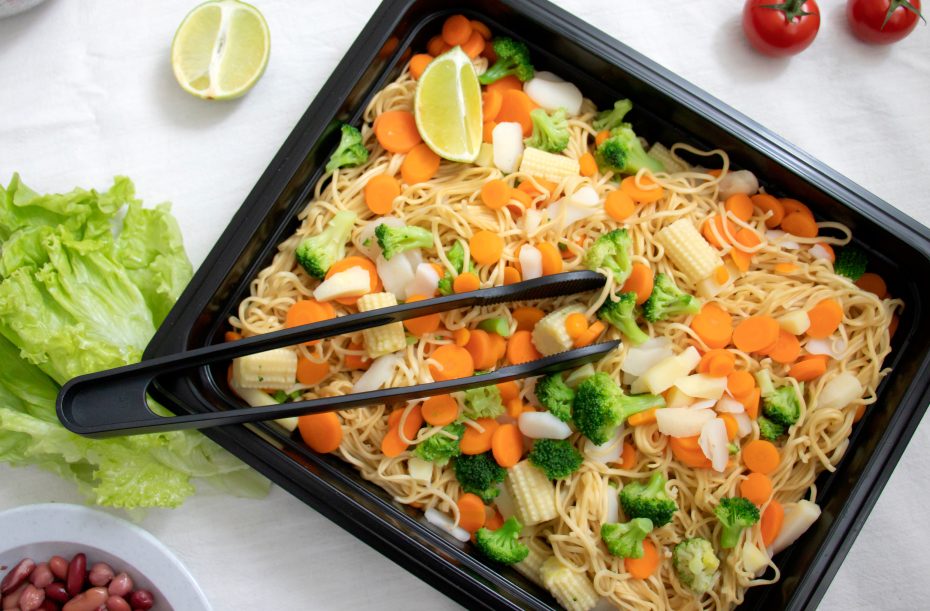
(882, 22)
(781, 28)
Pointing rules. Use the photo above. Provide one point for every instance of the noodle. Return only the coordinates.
(449, 207)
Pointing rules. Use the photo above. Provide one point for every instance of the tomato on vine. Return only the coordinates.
(781, 28)
(882, 22)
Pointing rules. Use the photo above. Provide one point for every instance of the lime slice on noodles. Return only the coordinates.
(448, 107)
(220, 49)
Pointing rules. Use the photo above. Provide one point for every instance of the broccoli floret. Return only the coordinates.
(440, 448)
(550, 132)
(395, 240)
(668, 300)
(556, 396)
(479, 474)
(851, 262)
(513, 57)
(503, 545)
(623, 153)
(626, 540)
(782, 406)
(557, 458)
(350, 152)
(622, 315)
(317, 253)
(600, 407)
(483, 402)
(769, 430)
(648, 500)
(696, 564)
(456, 256)
(609, 119)
(735, 514)
(498, 325)
(611, 251)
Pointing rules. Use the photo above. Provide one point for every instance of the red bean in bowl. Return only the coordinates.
(142, 599)
(91, 600)
(56, 591)
(121, 585)
(17, 576)
(11, 600)
(76, 574)
(100, 574)
(42, 576)
(31, 598)
(117, 603)
(59, 567)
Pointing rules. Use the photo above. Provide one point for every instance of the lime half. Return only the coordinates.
(220, 49)
(448, 107)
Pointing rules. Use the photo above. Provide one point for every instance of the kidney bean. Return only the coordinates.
(49, 605)
(76, 574)
(41, 576)
(17, 576)
(56, 591)
(100, 574)
(31, 598)
(88, 601)
(121, 585)
(118, 603)
(59, 567)
(142, 599)
(11, 600)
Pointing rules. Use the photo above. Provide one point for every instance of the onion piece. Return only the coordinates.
(551, 92)
(755, 560)
(778, 237)
(683, 421)
(705, 404)
(840, 392)
(819, 252)
(729, 405)
(543, 425)
(507, 139)
(397, 273)
(444, 522)
(743, 423)
(532, 220)
(740, 181)
(379, 373)
(640, 359)
(578, 206)
(714, 443)
(612, 500)
(607, 452)
(425, 281)
(798, 518)
(419, 469)
(834, 347)
(504, 502)
(702, 386)
(530, 262)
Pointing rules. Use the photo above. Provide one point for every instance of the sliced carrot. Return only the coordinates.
(640, 418)
(520, 348)
(627, 456)
(787, 348)
(808, 369)
(825, 318)
(740, 383)
(893, 325)
(474, 441)
(421, 325)
(768, 203)
(494, 519)
(481, 350)
(310, 372)
(486, 247)
(507, 445)
(690, 444)
(704, 363)
(873, 283)
(460, 336)
(619, 205)
(511, 275)
(524, 198)
(771, 522)
(721, 274)
(587, 164)
(420, 164)
(440, 410)
(546, 187)
(322, 432)
(831, 256)
(527, 317)
(453, 362)
(392, 445)
(515, 108)
(514, 407)
(551, 258)
(380, 193)
(576, 324)
(435, 46)
(730, 423)
(487, 132)
(495, 194)
(750, 402)
(755, 333)
(374, 280)
(792, 206)
(718, 363)
(649, 192)
(713, 325)
(306, 312)
(643, 568)
(456, 30)
(418, 64)
(508, 83)
(509, 390)
(748, 238)
(640, 281)
(232, 336)
(396, 131)
(860, 412)
(761, 456)
(757, 487)
(785, 268)
(740, 206)
(481, 28)
(590, 336)
(800, 224)
(471, 512)
(356, 361)
(474, 45)
(491, 104)
(466, 282)
(718, 222)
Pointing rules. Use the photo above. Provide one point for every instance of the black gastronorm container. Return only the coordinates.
(667, 109)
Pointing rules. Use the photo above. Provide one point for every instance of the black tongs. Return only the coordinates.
(114, 402)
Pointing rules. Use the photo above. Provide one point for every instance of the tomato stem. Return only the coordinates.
(794, 9)
(895, 5)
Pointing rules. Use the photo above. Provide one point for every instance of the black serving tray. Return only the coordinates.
(668, 109)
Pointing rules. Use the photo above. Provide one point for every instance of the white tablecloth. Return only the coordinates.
(88, 93)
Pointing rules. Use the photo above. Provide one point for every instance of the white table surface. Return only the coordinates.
(88, 93)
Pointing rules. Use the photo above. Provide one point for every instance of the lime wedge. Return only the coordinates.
(220, 49)
(448, 107)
